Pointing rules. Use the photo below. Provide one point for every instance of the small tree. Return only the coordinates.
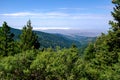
(28, 39)
(6, 40)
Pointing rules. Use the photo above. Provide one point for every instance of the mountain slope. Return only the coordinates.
(84, 40)
(50, 40)
(53, 40)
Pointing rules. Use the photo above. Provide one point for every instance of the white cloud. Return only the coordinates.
(91, 16)
(110, 7)
(35, 15)
(56, 15)
(46, 28)
(19, 14)
(72, 8)
(60, 20)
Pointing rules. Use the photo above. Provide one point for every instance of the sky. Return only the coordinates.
(57, 14)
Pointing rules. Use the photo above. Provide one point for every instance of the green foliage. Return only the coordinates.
(28, 39)
(116, 1)
(52, 40)
(107, 46)
(17, 66)
(103, 55)
(47, 65)
(50, 65)
(101, 60)
(89, 52)
(114, 33)
(6, 40)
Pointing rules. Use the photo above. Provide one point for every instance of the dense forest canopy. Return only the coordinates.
(24, 60)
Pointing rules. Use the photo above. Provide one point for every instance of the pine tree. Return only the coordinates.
(89, 52)
(107, 46)
(113, 38)
(6, 40)
(28, 39)
(116, 1)
(114, 33)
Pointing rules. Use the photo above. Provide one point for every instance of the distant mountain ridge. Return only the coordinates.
(53, 40)
(72, 32)
(49, 40)
(56, 39)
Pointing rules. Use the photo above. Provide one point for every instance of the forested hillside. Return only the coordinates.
(24, 60)
(52, 40)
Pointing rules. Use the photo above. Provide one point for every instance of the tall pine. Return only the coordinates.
(28, 38)
(107, 47)
(114, 33)
(6, 40)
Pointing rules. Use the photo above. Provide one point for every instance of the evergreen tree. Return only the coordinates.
(6, 40)
(89, 52)
(28, 39)
(114, 33)
(116, 1)
(107, 46)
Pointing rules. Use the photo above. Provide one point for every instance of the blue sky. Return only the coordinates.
(57, 14)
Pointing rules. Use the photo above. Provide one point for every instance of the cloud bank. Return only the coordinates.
(55, 15)
(58, 20)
